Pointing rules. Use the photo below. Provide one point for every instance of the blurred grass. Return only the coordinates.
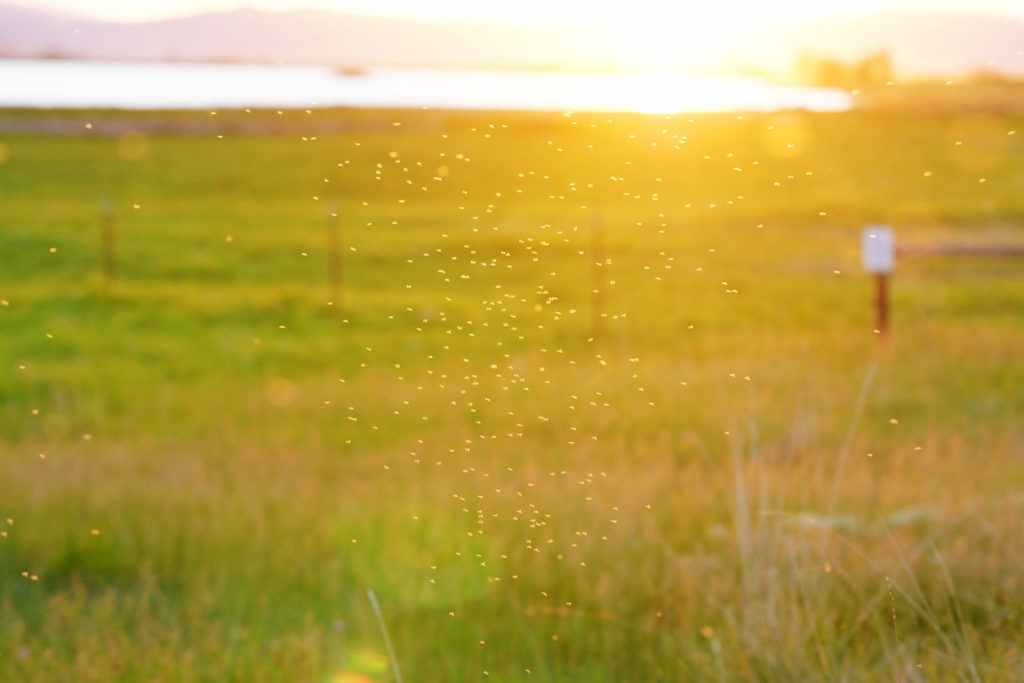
(526, 501)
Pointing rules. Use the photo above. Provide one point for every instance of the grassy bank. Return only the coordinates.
(205, 464)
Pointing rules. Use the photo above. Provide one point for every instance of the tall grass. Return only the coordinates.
(207, 470)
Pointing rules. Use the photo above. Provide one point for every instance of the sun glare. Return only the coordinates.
(673, 37)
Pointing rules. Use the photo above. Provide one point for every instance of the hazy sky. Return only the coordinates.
(719, 12)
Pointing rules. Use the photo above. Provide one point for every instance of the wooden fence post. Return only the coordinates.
(334, 263)
(108, 245)
(597, 276)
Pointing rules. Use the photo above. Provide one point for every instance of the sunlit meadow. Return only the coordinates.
(569, 397)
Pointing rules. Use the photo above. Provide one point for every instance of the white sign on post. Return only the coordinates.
(879, 249)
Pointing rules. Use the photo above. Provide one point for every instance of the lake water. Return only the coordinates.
(129, 85)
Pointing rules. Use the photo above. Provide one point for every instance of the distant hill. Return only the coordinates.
(300, 36)
(920, 42)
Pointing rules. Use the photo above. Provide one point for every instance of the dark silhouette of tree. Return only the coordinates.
(830, 72)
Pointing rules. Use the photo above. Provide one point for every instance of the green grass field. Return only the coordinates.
(206, 465)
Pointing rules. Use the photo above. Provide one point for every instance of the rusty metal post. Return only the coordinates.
(882, 303)
(879, 256)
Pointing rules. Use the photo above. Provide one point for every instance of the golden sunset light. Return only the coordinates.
(373, 341)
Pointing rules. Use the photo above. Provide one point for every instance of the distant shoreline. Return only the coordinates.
(368, 67)
(133, 85)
